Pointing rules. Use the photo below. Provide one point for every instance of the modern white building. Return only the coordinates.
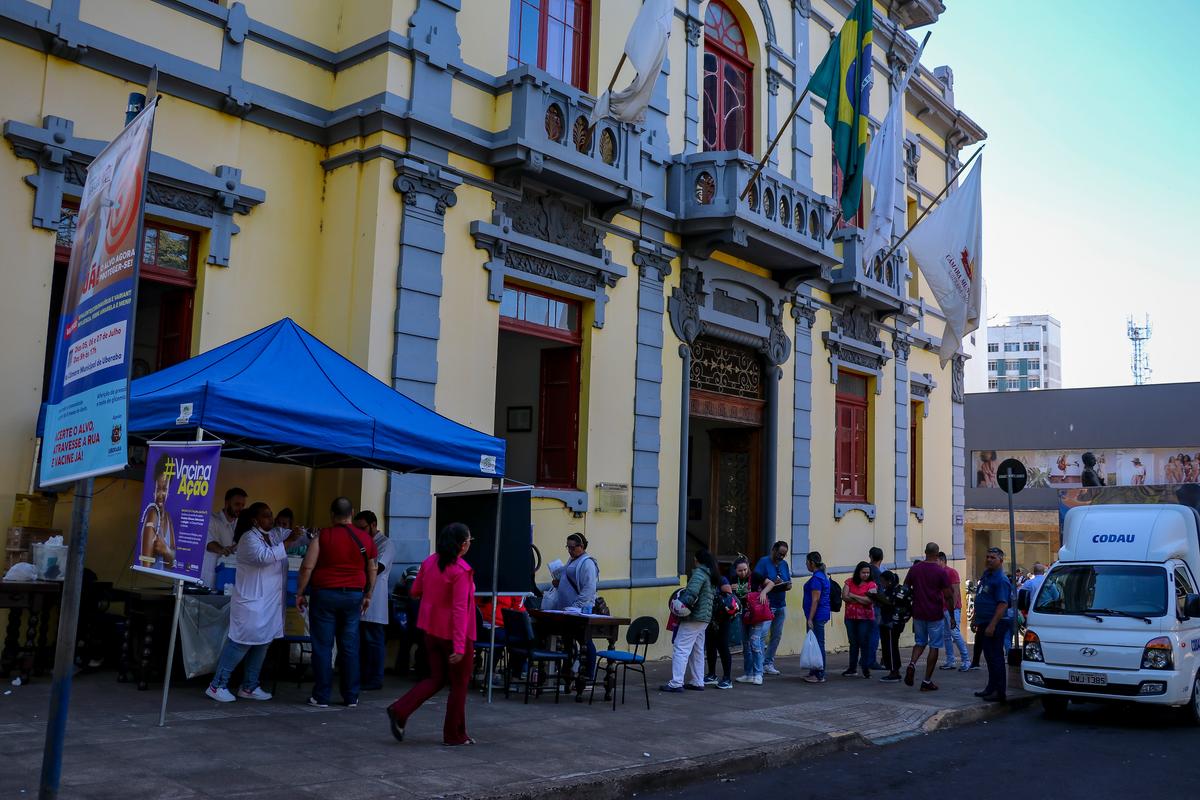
(1024, 353)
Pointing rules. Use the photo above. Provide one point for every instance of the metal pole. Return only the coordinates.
(64, 651)
(162, 711)
(495, 586)
(1012, 544)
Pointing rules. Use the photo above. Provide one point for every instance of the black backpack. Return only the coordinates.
(835, 596)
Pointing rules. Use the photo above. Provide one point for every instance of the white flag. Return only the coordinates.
(947, 246)
(882, 169)
(646, 48)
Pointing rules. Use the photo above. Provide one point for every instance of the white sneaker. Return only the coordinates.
(757, 680)
(221, 695)
(745, 679)
(257, 694)
(769, 669)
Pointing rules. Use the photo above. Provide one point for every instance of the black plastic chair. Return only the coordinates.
(519, 640)
(642, 633)
(491, 655)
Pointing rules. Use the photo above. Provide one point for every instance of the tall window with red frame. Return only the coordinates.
(851, 439)
(165, 295)
(538, 386)
(916, 413)
(728, 86)
(552, 35)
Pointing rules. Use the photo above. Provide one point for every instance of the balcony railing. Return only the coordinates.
(878, 284)
(549, 136)
(781, 224)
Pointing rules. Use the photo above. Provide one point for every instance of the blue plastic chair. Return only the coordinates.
(519, 639)
(642, 633)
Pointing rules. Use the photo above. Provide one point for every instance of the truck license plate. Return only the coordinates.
(1088, 678)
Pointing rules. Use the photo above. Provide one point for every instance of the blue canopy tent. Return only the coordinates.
(325, 412)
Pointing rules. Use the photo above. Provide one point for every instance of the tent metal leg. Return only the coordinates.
(495, 582)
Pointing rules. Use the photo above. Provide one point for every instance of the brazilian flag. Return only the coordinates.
(843, 80)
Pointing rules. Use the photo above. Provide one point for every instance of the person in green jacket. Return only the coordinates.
(689, 636)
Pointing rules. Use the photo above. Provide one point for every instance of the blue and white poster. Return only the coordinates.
(87, 409)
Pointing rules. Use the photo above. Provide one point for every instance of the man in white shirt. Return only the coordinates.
(220, 534)
(372, 625)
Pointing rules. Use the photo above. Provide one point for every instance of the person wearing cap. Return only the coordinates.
(992, 624)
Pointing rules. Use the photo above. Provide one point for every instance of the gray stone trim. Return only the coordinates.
(691, 91)
(175, 190)
(854, 354)
(921, 385)
(653, 260)
(804, 313)
(958, 456)
(919, 513)
(575, 500)
(842, 509)
(427, 191)
(560, 268)
(903, 411)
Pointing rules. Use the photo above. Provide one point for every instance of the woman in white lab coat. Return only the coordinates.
(256, 613)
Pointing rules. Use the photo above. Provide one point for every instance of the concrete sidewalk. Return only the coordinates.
(283, 749)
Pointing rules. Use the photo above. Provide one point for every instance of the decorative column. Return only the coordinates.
(654, 265)
(691, 105)
(684, 307)
(776, 349)
(801, 126)
(958, 457)
(901, 345)
(427, 192)
(804, 312)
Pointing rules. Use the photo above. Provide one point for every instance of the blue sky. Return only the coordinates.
(1091, 170)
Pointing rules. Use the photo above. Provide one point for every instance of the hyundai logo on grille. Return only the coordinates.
(1087, 651)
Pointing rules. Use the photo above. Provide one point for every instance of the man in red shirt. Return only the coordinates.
(954, 621)
(340, 566)
(931, 595)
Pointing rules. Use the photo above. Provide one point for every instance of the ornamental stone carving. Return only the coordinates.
(957, 390)
(804, 313)
(549, 218)
(694, 28)
(684, 306)
(652, 265)
(901, 347)
(412, 188)
(777, 346)
(853, 342)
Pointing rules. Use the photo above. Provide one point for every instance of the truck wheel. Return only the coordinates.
(1055, 707)
(1191, 712)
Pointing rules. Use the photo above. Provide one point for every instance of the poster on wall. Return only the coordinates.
(1061, 469)
(87, 406)
(181, 479)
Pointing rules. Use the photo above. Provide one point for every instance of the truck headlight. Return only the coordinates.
(1158, 654)
(1033, 647)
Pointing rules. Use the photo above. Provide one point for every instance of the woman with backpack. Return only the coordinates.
(716, 639)
(816, 609)
(751, 590)
(688, 654)
(860, 617)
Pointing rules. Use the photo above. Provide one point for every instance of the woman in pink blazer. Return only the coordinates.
(445, 585)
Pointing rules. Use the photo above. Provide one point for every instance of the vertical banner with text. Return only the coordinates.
(86, 412)
(181, 478)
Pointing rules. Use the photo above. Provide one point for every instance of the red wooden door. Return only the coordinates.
(558, 429)
(175, 327)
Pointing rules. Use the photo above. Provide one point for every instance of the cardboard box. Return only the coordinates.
(33, 511)
(23, 537)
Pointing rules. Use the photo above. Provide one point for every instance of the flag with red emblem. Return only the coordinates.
(947, 247)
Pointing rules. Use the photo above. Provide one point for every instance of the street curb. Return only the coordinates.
(618, 784)
(955, 717)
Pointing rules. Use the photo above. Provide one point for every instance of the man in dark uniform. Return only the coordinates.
(992, 625)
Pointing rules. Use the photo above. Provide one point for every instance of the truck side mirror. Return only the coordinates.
(1023, 601)
(1191, 605)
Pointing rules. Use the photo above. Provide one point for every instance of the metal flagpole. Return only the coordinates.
(496, 582)
(933, 203)
(162, 711)
(64, 651)
(1012, 552)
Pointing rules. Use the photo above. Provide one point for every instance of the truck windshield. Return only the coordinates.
(1104, 590)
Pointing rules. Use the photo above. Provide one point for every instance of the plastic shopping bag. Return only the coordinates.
(811, 656)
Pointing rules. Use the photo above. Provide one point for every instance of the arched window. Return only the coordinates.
(551, 35)
(728, 91)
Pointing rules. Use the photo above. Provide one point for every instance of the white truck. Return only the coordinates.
(1117, 617)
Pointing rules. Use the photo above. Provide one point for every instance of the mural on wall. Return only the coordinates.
(1064, 469)
(1187, 494)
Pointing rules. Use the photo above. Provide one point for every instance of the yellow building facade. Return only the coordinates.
(416, 183)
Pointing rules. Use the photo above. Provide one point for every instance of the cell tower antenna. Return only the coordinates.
(1139, 335)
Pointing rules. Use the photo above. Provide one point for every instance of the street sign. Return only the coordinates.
(1014, 470)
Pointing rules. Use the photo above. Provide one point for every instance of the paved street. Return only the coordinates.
(283, 749)
(1098, 751)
